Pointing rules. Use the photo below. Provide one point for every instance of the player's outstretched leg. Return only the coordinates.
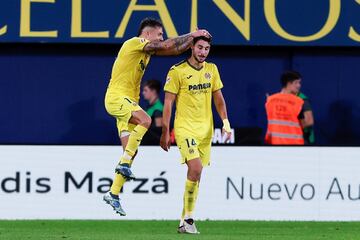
(134, 141)
(118, 183)
(114, 201)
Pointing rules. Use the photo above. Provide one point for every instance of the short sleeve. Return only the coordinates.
(307, 106)
(172, 83)
(217, 83)
(301, 114)
(138, 44)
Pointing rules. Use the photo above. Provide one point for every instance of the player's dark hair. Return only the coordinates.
(153, 85)
(289, 77)
(201, 38)
(149, 22)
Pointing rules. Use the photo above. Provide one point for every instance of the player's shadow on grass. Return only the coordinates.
(89, 124)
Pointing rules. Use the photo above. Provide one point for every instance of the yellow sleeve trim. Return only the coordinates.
(218, 89)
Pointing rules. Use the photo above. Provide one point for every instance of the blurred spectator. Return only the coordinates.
(154, 109)
(309, 135)
(286, 113)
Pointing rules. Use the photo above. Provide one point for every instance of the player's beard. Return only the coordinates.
(198, 60)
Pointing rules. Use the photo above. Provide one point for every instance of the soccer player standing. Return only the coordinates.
(122, 95)
(193, 83)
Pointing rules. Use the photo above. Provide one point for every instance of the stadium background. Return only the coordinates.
(52, 92)
(52, 87)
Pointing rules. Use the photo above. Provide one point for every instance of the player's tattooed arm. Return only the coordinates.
(174, 46)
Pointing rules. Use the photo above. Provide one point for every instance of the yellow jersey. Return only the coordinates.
(194, 88)
(128, 69)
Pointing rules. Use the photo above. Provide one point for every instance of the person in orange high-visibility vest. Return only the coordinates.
(285, 113)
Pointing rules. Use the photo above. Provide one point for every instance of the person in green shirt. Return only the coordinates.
(306, 111)
(309, 135)
(151, 91)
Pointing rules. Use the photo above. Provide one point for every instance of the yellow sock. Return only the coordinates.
(133, 143)
(183, 212)
(118, 182)
(190, 196)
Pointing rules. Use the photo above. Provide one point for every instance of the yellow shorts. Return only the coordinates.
(121, 107)
(191, 148)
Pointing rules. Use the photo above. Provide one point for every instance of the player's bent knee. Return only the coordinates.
(146, 122)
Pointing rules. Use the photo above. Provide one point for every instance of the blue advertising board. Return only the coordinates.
(232, 22)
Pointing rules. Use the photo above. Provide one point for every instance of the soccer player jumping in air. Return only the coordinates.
(193, 83)
(122, 95)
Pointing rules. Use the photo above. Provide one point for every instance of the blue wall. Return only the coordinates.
(298, 18)
(53, 94)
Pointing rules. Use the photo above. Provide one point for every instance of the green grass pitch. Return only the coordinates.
(142, 230)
